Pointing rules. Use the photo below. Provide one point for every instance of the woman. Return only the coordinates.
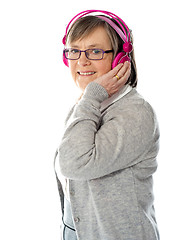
(107, 156)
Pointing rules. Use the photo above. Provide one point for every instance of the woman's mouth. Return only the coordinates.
(86, 73)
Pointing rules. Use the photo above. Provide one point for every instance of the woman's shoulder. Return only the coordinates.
(133, 101)
(134, 107)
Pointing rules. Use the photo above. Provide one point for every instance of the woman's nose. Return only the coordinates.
(83, 60)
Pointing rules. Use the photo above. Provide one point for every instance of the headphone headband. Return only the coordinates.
(125, 34)
(113, 25)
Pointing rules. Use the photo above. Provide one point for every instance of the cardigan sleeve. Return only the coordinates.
(91, 149)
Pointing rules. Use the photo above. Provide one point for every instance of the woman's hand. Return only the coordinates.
(116, 78)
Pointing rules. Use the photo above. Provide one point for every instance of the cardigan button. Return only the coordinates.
(76, 220)
(72, 192)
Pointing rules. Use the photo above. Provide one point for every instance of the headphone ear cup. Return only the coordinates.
(65, 60)
(120, 58)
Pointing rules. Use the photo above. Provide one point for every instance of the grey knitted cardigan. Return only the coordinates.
(109, 158)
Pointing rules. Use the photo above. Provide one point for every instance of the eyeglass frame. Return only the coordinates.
(85, 51)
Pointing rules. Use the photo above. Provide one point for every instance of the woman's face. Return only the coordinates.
(84, 70)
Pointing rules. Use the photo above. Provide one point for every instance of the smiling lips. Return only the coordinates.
(86, 73)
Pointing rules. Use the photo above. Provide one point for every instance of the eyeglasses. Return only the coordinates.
(91, 54)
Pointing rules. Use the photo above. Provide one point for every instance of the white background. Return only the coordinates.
(36, 92)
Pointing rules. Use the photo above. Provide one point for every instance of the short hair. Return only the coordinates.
(85, 25)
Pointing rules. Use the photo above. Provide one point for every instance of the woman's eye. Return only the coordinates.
(73, 51)
(96, 51)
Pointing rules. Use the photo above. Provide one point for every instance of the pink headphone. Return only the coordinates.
(124, 34)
